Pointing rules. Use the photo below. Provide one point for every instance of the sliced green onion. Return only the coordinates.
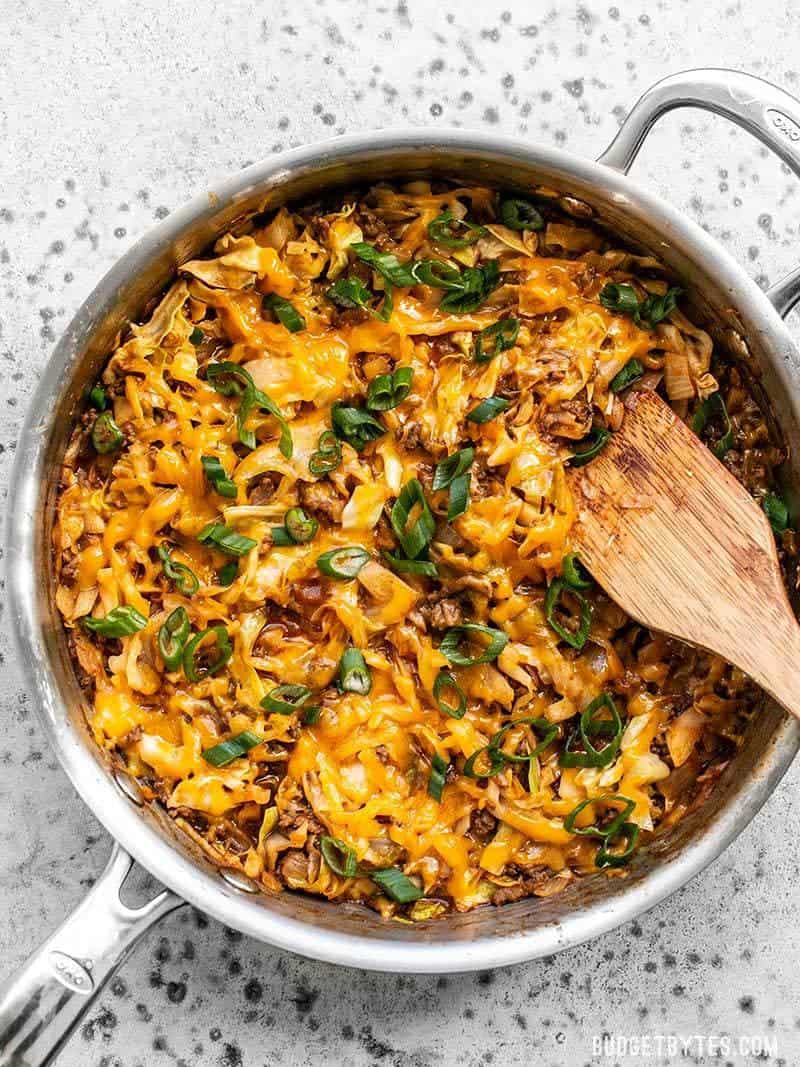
(196, 671)
(341, 859)
(120, 622)
(388, 390)
(230, 379)
(437, 274)
(437, 778)
(396, 885)
(422, 567)
(630, 373)
(106, 435)
(476, 285)
(552, 601)
(519, 214)
(416, 537)
(354, 674)
(646, 313)
(713, 408)
(227, 751)
(226, 539)
(286, 699)
(451, 644)
(172, 637)
(386, 264)
(98, 398)
(452, 232)
(487, 410)
(301, 528)
(777, 512)
(496, 754)
(186, 581)
(343, 563)
(592, 726)
(328, 455)
(446, 683)
(218, 479)
(574, 573)
(471, 769)
(285, 312)
(281, 537)
(498, 337)
(605, 857)
(197, 336)
(227, 575)
(610, 828)
(355, 425)
(454, 472)
(590, 446)
(352, 293)
(311, 714)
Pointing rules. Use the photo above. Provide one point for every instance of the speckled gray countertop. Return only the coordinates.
(114, 113)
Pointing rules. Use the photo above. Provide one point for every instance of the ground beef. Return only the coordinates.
(442, 614)
(482, 825)
(322, 498)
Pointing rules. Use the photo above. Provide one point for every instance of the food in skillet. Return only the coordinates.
(313, 551)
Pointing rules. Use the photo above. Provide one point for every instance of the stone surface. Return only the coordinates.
(113, 114)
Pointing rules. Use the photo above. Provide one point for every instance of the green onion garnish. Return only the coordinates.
(388, 390)
(592, 726)
(396, 885)
(386, 264)
(451, 644)
(476, 285)
(172, 637)
(411, 519)
(630, 373)
(574, 573)
(606, 857)
(352, 293)
(590, 446)
(452, 232)
(445, 682)
(286, 699)
(230, 379)
(552, 602)
(106, 435)
(354, 674)
(226, 539)
(777, 512)
(343, 563)
(98, 398)
(341, 859)
(284, 311)
(195, 670)
(610, 828)
(453, 472)
(487, 410)
(227, 751)
(471, 770)
(437, 274)
(355, 425)
(422, 567)
(280, 537)
(186, 581)
(713, 409)
(120, 622)
(437, 778)
(519, 214)
(301, 528)
(197, 336)
(498, 337)
(311, 714)
(217, 478)
(646, 313)
(328, 455)
(227, 575)
(497, 755)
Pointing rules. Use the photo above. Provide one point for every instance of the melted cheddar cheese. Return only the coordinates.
(360, 772)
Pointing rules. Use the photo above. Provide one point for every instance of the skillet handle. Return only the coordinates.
(45, 1000)
(764, 110)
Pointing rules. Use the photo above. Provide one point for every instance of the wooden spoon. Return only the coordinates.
(683, 548)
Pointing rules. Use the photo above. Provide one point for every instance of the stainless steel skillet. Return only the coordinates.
(40, 1005)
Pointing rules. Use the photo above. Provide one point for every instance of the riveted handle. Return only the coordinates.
(764, 110)
(44, 1001)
